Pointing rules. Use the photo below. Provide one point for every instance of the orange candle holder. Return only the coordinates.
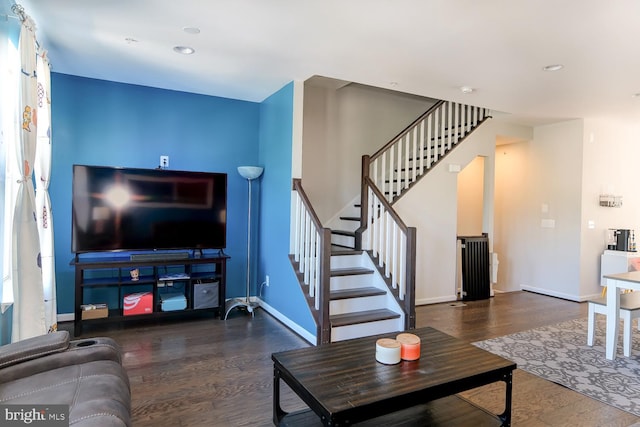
(409, 346)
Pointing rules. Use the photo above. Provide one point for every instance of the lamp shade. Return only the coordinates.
(250, 172)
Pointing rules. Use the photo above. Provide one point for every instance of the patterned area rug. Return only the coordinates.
(559, 353)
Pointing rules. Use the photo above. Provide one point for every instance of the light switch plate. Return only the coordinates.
(548, 223)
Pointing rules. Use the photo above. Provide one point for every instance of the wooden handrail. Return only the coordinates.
(318, 261)
(420, 146)
(406, 130)
(297, 186)
(369, 183)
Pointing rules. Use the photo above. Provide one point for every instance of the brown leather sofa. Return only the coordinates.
(87, 375)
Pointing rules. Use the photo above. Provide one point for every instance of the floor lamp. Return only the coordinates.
(249, 173)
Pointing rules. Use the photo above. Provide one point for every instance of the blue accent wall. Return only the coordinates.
(98, 122)
(276, 136)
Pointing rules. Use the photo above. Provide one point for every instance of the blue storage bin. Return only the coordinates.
(172, 301)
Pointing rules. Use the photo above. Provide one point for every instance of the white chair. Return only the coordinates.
(629, 310)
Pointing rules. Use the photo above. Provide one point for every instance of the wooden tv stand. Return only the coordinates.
(108, 279)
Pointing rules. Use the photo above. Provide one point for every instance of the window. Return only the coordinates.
(9, 83)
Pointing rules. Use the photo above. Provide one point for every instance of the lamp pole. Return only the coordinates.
(249, 306)
(249, 173)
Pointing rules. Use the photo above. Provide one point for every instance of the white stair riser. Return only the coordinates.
(346, 261)
(337, 239)
(367, 329)
(358, 280)
(347, 225)
(350, 282)
(351, 305)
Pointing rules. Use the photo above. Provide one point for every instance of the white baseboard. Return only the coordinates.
(551, 293)
(66, 317)
(427, 301)
(288, 322)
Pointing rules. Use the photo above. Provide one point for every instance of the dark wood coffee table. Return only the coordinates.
(343, 384)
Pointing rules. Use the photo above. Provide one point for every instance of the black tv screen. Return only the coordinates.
(127, 209)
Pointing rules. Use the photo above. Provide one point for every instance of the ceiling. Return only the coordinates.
(248, 49)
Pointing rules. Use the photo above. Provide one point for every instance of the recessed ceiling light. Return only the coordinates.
(467, 89)
(553, 67)
(185, 50)
(191, 30)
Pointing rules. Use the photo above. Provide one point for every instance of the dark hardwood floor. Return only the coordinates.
(208, 372)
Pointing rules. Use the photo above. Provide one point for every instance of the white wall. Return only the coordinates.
(511, 209)
(611, 156)
(471, 198)
(431, 206)
(554, 196)
(340, 126)
(564, 167)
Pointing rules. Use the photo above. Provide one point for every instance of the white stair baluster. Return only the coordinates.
(296, 237)
(421, 141)
(449, 124)
(394, 260)
(436, 130)
(443, 139)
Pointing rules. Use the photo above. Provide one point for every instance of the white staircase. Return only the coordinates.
(360, 302)
(354, 293)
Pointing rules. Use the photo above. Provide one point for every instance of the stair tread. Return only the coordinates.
(344, 250)
(362, 317)
(344, 233)
(350, 218)
(350, 271)
(368, 291)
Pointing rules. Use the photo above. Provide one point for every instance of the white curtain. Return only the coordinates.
(43, 203)
(28, 293)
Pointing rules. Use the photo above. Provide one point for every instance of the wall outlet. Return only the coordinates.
(164, 162)
(266, 280)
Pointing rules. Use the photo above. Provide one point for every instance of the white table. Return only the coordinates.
(616, 282)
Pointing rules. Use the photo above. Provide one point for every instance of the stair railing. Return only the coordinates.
(392, 244)
(390, 172)
(311, 252)
(421, 145)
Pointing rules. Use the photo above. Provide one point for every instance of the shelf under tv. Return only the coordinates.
(110, 277)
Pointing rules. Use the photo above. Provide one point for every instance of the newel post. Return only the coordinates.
(410, 292)
(325, 285)
(364, 201)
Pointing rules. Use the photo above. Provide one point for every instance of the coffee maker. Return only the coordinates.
(621, 239)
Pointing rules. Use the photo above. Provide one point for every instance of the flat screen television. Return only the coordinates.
(127, 209)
